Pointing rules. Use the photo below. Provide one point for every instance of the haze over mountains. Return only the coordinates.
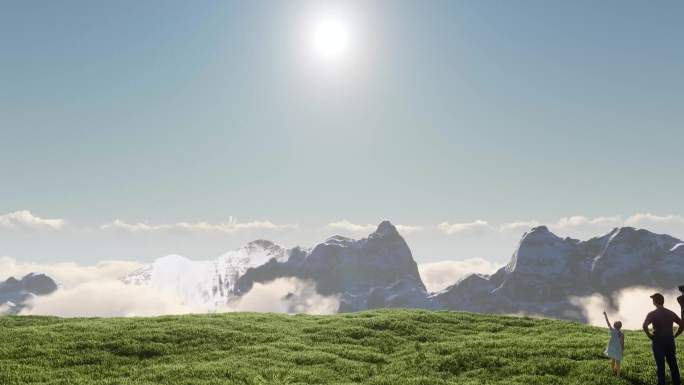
(545, 275)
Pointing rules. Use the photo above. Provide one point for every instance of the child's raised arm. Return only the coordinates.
(607, 322)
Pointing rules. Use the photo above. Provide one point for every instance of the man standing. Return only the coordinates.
(680, 299)
(662, 338)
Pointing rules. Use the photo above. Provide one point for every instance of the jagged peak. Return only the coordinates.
(539, 229)
(264, 243)
(385, 228)
(338, 240)
(628, 232)
(33, 275)
(537, 233)
(11, 280)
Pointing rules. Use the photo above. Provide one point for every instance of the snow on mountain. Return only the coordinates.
(544, 275)
(377, 271)
(208, 283)
(546, 272)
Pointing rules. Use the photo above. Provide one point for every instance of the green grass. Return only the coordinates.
(375, 347)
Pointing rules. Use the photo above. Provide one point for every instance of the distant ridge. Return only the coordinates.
(543, 275)
(15, 294)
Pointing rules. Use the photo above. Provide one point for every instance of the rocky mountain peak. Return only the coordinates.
(385, 228)
(15, 293)
(539, 229)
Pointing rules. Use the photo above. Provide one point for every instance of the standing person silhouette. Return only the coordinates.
(680, 299)
(662, 338)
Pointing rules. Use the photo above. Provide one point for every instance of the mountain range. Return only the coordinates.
(546, 272)
(544, 275)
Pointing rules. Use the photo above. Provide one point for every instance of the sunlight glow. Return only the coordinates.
(330, 38)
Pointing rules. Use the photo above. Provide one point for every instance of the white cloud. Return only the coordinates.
(25, 219)
(347, 226)
(68, 274)
(231, 226)
(670, 224)
(584, 226)
(406, 229)
(454, 228)
(97, 291)
(632, 306)
(107, 299)
(519, 226)
(439, 275)
(646, 218)
(577, 224)
(579, 221)
(285, 295)
(113, 298)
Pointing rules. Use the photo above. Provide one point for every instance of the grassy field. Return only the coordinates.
(375, 347)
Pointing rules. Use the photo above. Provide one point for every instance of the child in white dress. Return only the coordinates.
(616, 345)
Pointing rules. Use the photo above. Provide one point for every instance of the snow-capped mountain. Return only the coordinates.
(543, 276)
(15, 294)
(547, 271)
(209, 283)
(377, 271)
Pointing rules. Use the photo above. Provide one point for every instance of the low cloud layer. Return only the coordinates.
(631, 306)
(231, 226)
(453, 228)
(439, 275)
(107, 299)
(68, 274)
(97, 291)
(350, 227)
(576, 225)
(24, 219)
(285, 295)
(113, 298)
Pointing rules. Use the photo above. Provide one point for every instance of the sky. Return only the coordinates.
(130, 130)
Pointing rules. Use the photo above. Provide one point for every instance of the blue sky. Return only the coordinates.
(442, 111)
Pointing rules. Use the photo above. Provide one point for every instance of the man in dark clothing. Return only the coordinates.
(680, 299)
(663, 339)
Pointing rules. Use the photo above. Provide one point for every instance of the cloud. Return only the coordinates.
(580, 225)
(572, 224)
(97, 291)
(25, 219)
(68, 274)
(231, 226)
(631, 306)
(347, 226)
(107, 299)
(113, 298)
(439, 275)
(454, 228)
(671, 224)
(285, 295)
(519, 226)
(406, 229)
(579, 221)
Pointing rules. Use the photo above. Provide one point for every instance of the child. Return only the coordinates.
(616, 345)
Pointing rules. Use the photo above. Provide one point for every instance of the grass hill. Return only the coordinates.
(375, 347)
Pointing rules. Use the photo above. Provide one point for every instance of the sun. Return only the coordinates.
(330, 38)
